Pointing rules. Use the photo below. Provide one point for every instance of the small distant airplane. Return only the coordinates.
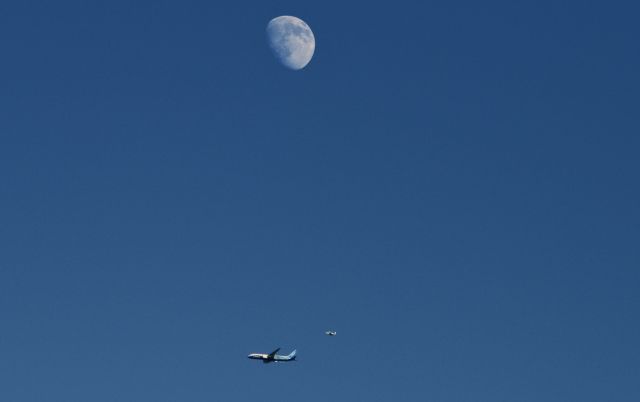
(273, 357)
(331, 333)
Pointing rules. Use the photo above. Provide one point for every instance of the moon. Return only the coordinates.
(291, 41)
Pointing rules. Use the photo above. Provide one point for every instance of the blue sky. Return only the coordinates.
(451, 187)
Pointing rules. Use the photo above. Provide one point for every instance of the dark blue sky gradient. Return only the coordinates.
(452, 187)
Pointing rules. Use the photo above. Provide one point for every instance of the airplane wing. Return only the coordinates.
(272, 354)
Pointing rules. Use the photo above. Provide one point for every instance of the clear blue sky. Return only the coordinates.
(452, 186)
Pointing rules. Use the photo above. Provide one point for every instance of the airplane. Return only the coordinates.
(331, 333)
(273, 357)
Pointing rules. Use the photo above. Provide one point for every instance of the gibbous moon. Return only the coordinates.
(291, 41)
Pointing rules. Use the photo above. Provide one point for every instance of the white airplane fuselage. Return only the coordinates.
(272, 357)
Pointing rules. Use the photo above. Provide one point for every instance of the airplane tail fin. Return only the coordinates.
(292, 355)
